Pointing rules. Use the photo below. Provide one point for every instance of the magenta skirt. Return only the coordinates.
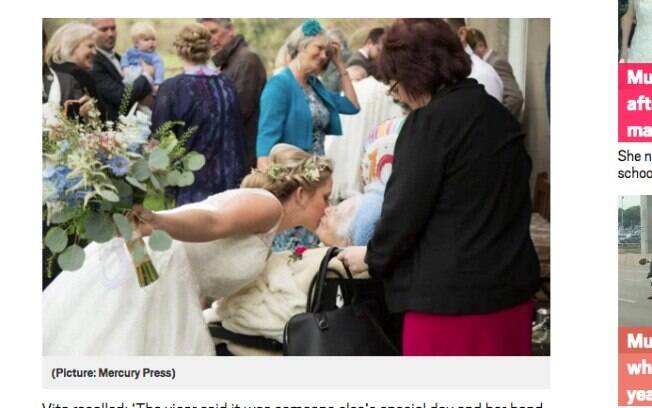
(507, 332)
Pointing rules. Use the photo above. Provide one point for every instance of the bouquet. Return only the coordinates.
(94, 172)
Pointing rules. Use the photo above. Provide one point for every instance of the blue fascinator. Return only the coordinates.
(311, 28)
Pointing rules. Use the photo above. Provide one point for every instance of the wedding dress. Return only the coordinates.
(641, 48)
(101, 310)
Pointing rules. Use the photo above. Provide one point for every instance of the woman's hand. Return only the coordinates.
(81, 106)
(336, 57)
(353, 258)
(86, 104)
(145, 219)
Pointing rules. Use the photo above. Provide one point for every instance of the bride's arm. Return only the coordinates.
(626, 22)
(251, 214)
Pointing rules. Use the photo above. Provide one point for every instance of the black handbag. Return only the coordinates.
(354, 329)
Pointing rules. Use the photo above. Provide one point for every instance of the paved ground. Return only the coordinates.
(634, 307)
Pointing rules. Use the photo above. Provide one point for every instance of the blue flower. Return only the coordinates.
(102, 156)
(119, 165)
(73, 198)
(311, 28)
(56, 182)
(58, 178)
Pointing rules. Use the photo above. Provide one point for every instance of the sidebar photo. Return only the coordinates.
(635, 300)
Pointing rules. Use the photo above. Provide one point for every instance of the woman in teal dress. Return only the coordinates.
(296, 108)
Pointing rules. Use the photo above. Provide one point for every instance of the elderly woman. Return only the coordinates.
(452, 246)
(297, 109)
(264, 307)
(205, 101)
(69, 56)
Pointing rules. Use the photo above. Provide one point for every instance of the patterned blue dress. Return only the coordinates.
(320, 117)
(204, 98)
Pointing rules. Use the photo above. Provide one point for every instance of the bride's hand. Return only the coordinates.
(145, 219)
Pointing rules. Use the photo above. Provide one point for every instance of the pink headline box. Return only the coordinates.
(635, 366)
(635, 102)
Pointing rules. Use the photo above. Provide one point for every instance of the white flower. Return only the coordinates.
(134, 129)
(49, 191)
(50, 118)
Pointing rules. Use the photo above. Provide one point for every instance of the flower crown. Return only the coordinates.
(310, 170)
(311, 28)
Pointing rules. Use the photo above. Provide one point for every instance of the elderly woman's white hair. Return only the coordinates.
(303, 35)
(64, 41)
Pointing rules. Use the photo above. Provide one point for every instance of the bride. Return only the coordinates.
(221, 244)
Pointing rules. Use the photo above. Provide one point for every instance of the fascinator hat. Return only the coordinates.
(302, 35)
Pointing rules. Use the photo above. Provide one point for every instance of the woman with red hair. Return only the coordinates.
(452, 246)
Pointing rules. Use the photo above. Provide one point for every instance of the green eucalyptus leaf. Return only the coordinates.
(124, 189)
(172, 143)
(162, 180)
(99, 227)
(72, 258)
(106, 206)
(124, 226)
(194, 161)
(158, 182)
(125, 192)
(109, 195)
(159, 159)
(173, 178)
(186, 179)
(62, 216)
(56, 239)
(136, 183)
(160, 240)
(140, 170)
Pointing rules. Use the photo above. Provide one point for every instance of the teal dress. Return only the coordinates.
(294, 237)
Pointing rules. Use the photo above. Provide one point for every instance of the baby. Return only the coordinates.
(143, 36)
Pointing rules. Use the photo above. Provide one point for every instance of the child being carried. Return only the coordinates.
(143, 36)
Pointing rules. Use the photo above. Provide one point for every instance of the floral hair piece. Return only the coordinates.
(311, 28)
(276, 171)
(311, 169)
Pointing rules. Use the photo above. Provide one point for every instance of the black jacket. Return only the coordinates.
(454, 236)
(110, 87)
(81, 80)
(245, 68)
(68, 85)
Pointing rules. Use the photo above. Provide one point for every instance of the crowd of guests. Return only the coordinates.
(422, 120)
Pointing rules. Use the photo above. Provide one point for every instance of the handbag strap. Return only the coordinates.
(316, 289)
(317, 285)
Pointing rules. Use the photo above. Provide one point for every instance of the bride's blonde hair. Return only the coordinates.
(289, 168)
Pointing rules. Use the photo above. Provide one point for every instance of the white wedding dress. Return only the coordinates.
(641, 48)
(101, 310)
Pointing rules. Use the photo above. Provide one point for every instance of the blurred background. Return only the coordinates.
(523, 42)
